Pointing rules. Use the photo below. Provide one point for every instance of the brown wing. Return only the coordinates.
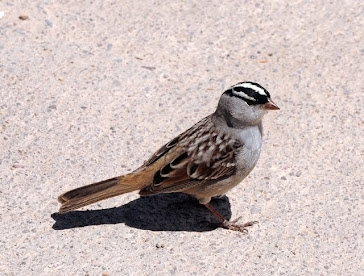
(162, 151)
(199, 154)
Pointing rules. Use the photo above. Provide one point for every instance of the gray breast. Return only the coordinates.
(248, 156)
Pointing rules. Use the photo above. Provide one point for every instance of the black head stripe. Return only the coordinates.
(250, 92)
(258, 98)
(256, 86)
(232, 94)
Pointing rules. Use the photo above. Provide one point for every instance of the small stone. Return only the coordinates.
(23, 17)
(151, 68)
(298, 173)
(49, 23)
(284, 178)
(160, 245)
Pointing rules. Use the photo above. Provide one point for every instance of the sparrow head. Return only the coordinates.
(253, 94)
(246, 102)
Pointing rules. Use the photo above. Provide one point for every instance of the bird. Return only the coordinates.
(205, 161)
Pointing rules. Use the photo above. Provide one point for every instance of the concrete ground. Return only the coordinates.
(89, 89)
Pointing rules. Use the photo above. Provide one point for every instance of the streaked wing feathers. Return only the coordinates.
(199, 154)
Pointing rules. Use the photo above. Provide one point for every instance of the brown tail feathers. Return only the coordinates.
(92, 193)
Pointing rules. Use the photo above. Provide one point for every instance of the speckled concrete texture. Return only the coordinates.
(89, 89)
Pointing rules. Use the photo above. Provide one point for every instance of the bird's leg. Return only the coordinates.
(230, 224)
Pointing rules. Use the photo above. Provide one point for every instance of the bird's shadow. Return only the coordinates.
(163, 212)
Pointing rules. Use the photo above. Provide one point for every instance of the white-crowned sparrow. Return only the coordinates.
(205, 161)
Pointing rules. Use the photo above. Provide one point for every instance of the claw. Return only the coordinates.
(231, 225)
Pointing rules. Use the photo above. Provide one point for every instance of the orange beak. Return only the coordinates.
(270, 105)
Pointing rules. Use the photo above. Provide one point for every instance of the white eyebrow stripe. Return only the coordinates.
(243, 95)
(254, 87)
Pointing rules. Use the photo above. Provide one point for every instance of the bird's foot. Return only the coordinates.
(232, 225)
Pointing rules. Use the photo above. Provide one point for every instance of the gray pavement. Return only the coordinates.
(89, 89)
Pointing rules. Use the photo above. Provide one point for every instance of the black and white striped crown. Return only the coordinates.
(251, 92)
